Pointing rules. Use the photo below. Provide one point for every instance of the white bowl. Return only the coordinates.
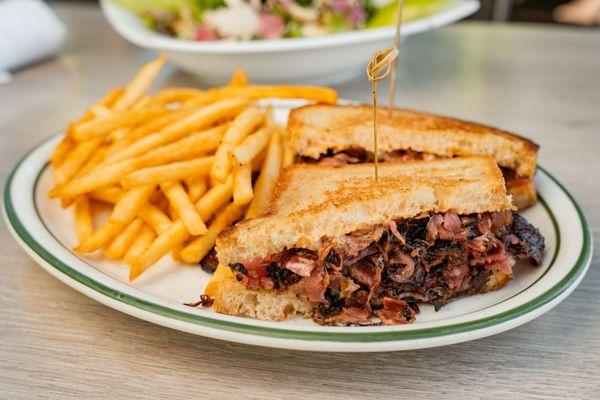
(327, 60)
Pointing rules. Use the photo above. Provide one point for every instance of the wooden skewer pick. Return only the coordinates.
(382, 63)
(379, 68)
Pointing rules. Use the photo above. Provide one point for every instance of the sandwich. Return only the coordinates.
(342, 249)
(339, 135)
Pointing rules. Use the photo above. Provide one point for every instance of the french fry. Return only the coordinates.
(111, 97)
(100, 237)
(195, 145)
(253, 92)
(176, 234)
(203, 118)
(74, 160)
(172, 95)
(196, 187)
(168, 172)
(252, 146)
(117, 248)
(199, 247)
(155, 218)
(257, 162)
(62, 150)
(140, 84)
(269, 115)
(83, 219)
(141, 103)
(102, 175)
(119, 134)
(155, 125)
(108, 194)
(99, 111)
(184, 207)
(215, 198)
(239, 78)
(94, 160)
(244, 124)
(267, 179)
(129, 203)
(99, 127)
(140, 243)
(242, 184)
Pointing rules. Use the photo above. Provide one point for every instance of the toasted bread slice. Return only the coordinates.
(313, 130)
(315, 204)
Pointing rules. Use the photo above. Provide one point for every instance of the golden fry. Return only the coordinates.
(108, 194)
(199, 248)
(140, 84)
(102, 175)
(100, 111)
(111, 97)
(252, 146)
(99, 127)
(157, 124)
(141, 103)
(196, 187)
(176, 234)
(203, 118)
(128, 205)
(155, 218)
(184, 207)
(195, 145)
(215, 198)
(267, 180)
(141, 243)
(168, 172)
(100, 237)
(173, 95)
(239, 78)
(117, 248)
(119, 134)
(84, 225)
(74, 160)
(252, 92)
(94, 160)
(62, 150)
(242, 184)
(243, 125)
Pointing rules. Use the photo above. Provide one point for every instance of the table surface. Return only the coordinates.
(540, 81)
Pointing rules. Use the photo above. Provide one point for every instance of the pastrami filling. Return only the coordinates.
(379, 275)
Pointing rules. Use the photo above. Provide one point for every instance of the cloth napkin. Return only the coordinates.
(29, 32)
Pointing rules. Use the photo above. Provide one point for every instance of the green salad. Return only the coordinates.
(207, 20)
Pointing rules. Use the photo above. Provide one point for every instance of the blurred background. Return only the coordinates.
(573, 12)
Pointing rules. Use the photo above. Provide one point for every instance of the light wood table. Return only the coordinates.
(540, 81)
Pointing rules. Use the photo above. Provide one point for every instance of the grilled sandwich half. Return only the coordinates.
(339, 135)
(342, 249)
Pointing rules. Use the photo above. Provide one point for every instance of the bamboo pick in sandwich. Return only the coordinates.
(379, 68)
(382, 63)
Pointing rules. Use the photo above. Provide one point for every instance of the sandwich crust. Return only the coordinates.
(313, 130)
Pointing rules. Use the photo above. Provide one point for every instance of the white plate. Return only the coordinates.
(46, 233)
(326, 60)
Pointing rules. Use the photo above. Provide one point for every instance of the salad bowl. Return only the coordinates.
(325, 60)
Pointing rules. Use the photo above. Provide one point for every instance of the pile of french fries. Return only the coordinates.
(178, 166)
